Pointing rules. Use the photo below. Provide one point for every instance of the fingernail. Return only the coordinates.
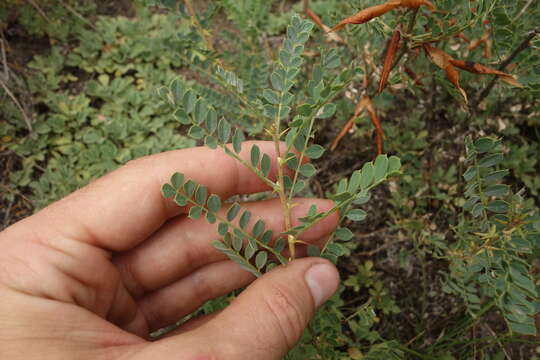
(322, 280)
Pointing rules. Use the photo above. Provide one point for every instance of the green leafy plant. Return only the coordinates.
(91, 105)
(284, 119)
(495, 241)
(103, 111)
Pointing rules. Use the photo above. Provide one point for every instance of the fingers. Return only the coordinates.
(266, 320)
(274, 311)
(184, 245)
(119, 210)
(167, 305)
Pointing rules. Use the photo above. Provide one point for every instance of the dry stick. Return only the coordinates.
(4, 57)
(524, 45)
(15, 192)
(39, 10)
(522, 11)
(18, 104)
(490, 330)
(77, 14)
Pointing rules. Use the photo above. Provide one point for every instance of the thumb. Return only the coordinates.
(269, 317)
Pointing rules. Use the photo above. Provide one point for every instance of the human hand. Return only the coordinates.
(91, 275)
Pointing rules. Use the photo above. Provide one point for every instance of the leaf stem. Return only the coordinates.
(256, 171)
(198, 25)
(237, 228)
(281, 163)
(253, 113)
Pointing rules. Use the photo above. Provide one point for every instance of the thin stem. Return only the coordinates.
(522, 11)
(17, 193)
(316, 111)
(253, 113)
(483, 198)
(18, 104)
(4, 57)
(39, 10)
(301, 158)
(237, 228)
(281, 163)
(77, 14)
(196, 22)
(522, 46)
(256, 171)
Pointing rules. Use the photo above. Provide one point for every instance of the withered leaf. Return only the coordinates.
(484, 41)
(365, 103)
(477, 68)
(391, 49)
(360, 107)
(443, 60)
(376, 123)
(375, 11)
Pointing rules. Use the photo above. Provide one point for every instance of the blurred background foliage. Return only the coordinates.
(80, 96)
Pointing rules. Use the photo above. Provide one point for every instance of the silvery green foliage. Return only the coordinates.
(496, 239)
(247, 242)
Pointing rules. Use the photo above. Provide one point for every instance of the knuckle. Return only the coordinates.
(129, 277)
(289, 319)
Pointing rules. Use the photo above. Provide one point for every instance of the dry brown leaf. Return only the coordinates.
(365, 103)
(375, 11)
(367, 14)
(484, 41)
(360, 107)
(376, 122)
(391, 49)
(444, 61)
(474, 44)
(331, 36)
(417, 3)
(477, 68)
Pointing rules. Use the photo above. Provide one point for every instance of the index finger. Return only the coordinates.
(121, 209)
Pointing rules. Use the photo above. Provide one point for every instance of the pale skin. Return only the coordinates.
(90, 276)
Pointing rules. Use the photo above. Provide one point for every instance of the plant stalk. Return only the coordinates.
(285, 205)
